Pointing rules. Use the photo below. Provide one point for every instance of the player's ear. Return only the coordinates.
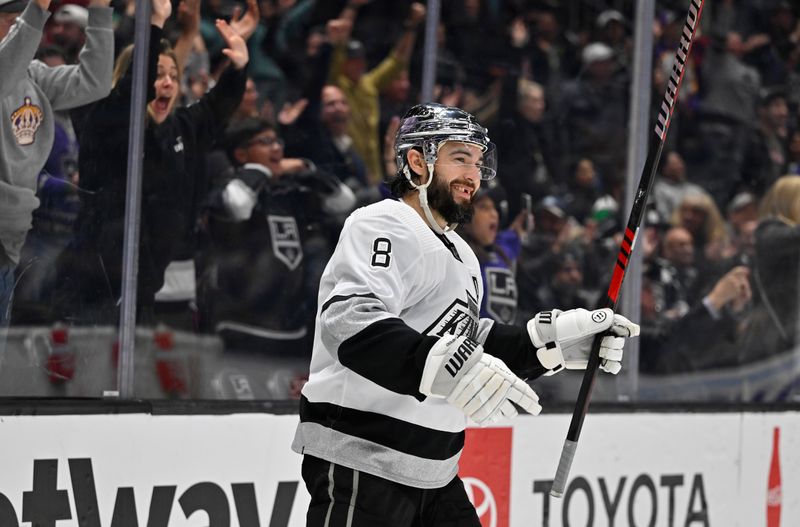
(416, 161)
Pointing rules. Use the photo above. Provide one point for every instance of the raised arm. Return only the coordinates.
(350, 11)
(398, 60)
(211, 114)
(115, 114)
(245, 24)
(89, 80)
(338, 33)
(18, 46)
(405, 44)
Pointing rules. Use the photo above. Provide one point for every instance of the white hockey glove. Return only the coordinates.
(563, 339)
(478, 384)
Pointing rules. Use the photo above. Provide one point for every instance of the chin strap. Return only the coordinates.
(423, 201)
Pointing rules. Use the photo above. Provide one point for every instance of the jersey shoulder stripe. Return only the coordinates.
(343, 298)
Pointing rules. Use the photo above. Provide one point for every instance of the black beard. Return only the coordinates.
(441, 200)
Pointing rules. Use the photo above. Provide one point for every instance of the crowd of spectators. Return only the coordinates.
(268, 122)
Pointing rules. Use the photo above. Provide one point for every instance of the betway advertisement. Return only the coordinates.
(642, 469)
(149, 471)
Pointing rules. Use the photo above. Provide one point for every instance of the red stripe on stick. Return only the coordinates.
(616, 281)
(629, 235)
(626, 245)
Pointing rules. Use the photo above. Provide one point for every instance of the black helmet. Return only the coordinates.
(427, 126)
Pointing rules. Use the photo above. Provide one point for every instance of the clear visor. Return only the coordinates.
(485, 167)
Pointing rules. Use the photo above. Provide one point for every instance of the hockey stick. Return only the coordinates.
(654, 147)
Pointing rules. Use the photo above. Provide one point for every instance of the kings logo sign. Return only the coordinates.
(286, 240)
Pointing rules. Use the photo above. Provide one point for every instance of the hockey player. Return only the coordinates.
(401, 358)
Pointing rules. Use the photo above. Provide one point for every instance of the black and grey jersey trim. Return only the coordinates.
(342, 298)
(392, 433)
(379, 445)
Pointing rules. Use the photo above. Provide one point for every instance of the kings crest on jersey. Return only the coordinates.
(460, 318)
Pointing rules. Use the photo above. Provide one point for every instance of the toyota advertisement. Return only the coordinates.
(642, 469)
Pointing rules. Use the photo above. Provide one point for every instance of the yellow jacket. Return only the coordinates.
(363, 97)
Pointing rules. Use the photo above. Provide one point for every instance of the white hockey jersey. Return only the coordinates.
(390, 290)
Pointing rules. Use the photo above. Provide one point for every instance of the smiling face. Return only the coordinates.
(265, 148)
(167, 89)
(456, 179)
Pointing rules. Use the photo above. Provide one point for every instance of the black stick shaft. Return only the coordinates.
(654, 148)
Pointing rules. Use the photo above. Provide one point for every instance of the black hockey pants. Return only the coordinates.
(343, 497)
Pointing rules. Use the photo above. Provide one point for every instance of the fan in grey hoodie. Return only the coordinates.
(30, 92)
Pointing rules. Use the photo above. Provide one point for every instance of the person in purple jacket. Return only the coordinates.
(497, 252)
